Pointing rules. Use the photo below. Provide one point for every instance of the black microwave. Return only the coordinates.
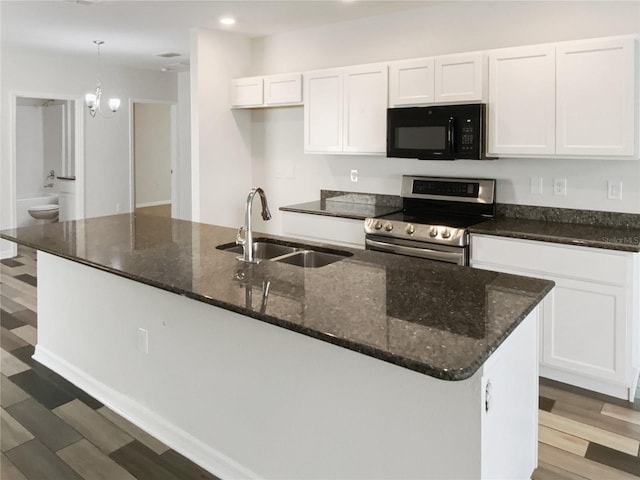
(443, 132)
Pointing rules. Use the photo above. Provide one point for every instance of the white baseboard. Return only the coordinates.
(156, 426)
(153, 204)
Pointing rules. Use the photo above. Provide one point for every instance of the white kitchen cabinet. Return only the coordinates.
(447, 79)
(247, 92)
(283, 89)
(460, 78)
(267, 91)
(522, 101)
(590, 321)
(412, 82)
(324, 229)
(345, 110)
(595, 97)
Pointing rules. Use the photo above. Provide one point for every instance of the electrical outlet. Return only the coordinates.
(354, 176)
(117, 208)
(560, 186)
(143, 341)
(535, 185)
(614, 190)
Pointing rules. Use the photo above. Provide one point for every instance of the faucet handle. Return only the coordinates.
(240, 240)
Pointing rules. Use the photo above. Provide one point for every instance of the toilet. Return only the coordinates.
(45, 212)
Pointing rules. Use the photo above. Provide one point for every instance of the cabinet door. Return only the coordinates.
(323, 99)
(365, 109)
(247, 92)
(522, 101)
(283, 89)
(460, 78)
(585, 327)
(596, 97)
(411, 82)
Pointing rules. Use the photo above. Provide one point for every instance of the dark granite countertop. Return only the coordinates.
(434, 318)
(608, 230)
(353, 205)
(357, 211)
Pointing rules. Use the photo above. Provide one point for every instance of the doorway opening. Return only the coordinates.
(154, 155)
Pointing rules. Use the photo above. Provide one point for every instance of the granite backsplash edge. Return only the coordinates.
(568, 215)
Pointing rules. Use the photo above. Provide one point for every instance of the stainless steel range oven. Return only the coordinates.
(434, 219)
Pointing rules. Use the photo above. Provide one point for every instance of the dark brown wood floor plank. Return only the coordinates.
(142, 462)
(613, 458)
(8, 471)
(184, 468)
(37, 462)
(46, 392)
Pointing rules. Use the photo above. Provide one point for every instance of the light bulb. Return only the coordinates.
(114, 104)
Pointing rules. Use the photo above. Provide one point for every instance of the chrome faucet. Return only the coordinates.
(247, 241)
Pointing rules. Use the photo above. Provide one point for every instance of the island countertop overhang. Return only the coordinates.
(434, 318)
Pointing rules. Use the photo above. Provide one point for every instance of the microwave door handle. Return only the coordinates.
(450, 135)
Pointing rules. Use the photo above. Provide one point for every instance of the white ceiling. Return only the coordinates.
(133, 31)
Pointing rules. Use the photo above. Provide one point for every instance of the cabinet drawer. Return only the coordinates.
(603, 266)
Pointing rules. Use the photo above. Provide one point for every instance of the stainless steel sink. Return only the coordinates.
(261, 250)
(310, 259)
(294, 254)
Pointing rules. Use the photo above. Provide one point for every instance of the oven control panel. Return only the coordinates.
(425, 233)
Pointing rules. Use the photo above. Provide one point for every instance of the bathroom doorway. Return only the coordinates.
(47, 159)
(154, 133)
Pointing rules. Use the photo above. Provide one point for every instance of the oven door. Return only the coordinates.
(430, 251)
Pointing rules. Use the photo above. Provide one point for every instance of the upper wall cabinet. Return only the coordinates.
(595, 97)
(521, 101)
(268, 91)
(448, 79)
(569, 99)
(345, 110)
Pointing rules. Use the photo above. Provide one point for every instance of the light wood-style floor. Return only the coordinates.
(51, 426)
(156, 210)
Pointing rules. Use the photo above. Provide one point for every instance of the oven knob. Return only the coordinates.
(446, 233)
(410, 229)
(388, 226)
(433, 232)
(377, 225)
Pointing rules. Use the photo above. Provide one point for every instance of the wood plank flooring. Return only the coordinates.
(52, 430)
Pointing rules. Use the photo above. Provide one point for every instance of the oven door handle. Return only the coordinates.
(453, 257)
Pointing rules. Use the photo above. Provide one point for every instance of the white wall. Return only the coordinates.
(183, 170)
(289, 176)
(152, 153)
(29, 148)
(107, 146)
(221, 138)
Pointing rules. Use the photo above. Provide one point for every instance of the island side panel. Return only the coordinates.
(244, 398)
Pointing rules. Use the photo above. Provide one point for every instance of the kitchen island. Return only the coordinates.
(375, 366)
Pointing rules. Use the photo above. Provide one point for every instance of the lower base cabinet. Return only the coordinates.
(590, 323)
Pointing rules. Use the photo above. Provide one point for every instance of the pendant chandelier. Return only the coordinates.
(93, 99)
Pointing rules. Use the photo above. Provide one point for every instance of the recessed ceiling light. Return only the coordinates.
(227, 20)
